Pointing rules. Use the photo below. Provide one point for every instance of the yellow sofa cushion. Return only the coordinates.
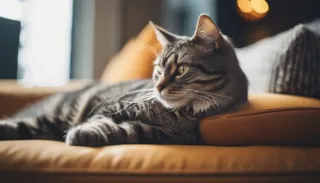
(267, 119)
(147, 160)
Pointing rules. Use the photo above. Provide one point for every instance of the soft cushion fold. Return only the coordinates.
(267, 119)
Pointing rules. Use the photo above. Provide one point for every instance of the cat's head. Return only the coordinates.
(198, 72)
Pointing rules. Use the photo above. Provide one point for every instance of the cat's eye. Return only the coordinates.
(158, 69)
(182, 70)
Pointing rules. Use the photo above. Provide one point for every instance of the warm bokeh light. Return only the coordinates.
(252, 10)
(260, 6)
(245, 6)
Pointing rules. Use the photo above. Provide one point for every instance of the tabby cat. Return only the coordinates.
(193, 78)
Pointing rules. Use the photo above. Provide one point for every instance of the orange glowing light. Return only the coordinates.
(252, 10)
(260, 6)
(245, 6)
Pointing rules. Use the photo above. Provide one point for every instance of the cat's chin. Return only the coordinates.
(200, 106)
(173, 104)
(197, 106)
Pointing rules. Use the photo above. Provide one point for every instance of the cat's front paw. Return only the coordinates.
(9, 130)
(86, 136)
(94, 134)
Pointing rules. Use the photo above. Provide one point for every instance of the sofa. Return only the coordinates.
(273, 138)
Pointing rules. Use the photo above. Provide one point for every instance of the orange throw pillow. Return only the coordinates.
(135, 59)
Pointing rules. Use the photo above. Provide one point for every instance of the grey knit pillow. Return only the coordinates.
(296, 70)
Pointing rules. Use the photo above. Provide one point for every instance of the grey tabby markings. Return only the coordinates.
(194, 77)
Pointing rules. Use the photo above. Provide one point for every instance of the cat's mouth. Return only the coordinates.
(170, 98)
(171, 101)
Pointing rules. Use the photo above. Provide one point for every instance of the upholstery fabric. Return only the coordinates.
(47, 159)
(296, 71)
(286, 63)
(14, 96)
(267, 119)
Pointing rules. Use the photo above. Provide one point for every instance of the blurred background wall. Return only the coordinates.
(53, 41)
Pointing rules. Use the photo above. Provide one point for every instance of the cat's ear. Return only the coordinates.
(206, 29)
(163, 36)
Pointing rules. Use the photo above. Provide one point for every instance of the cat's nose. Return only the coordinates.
(161, 84)
(160, 87)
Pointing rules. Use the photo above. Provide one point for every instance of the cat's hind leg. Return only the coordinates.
(14, 130)
(32, 128)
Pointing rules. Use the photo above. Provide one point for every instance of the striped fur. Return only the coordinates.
(164, 110)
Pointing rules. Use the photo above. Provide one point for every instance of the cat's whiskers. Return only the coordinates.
(147, 97)
(205, 98)
(140, 100)
(144, 97)
(105, 102)
(158, 112)
(207, 93)
(150, 49)
(211, 95)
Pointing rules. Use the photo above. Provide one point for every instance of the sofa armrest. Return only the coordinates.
(14, 96)
(267, 119)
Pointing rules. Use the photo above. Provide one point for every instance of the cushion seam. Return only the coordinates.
(158, 171)
(266, 111)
